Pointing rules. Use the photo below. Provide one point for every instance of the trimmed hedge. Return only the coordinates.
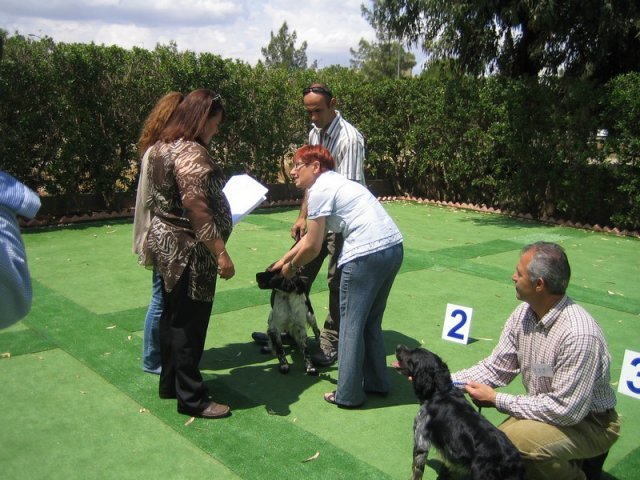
(70, 115)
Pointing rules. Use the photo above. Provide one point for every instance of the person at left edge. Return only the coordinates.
(186, 244)
(15, 280)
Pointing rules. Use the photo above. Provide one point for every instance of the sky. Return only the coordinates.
(236, 29)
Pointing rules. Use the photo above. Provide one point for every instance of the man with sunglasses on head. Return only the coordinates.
(346, 145)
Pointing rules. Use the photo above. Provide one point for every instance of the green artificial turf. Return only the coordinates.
(75, 403)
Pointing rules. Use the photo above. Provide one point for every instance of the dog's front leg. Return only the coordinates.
(299, 331)
(276, 347)
(308, 364)
(419, 462)
(421, 443)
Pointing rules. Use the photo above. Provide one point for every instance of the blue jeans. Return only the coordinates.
(364, 288)
(151, 338)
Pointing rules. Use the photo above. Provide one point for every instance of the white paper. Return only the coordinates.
(244, 195)
(629, 383)
(457, 323)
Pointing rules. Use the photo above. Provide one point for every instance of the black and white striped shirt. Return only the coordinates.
(346, 145)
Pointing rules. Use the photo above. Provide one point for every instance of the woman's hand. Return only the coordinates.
(298, 229)
(284, 266)
(277, 265)
(303, 251)
(226, 269)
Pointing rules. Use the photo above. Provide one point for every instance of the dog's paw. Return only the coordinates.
(284, 368)
(312, 371)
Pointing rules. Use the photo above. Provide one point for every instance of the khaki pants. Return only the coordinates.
(553, 452)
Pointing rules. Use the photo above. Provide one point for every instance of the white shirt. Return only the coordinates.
(352, 210)
(142, 215)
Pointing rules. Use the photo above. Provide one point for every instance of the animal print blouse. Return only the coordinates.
(189, 207)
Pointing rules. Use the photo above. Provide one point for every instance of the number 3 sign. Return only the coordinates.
(457, 323)
(630, 375)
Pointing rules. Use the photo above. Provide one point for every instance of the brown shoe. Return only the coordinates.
(216, 410)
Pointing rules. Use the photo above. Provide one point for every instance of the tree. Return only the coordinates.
(282, 52)
(382, 60)
(594, 39)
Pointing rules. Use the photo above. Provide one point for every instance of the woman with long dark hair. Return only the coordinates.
(186, 244)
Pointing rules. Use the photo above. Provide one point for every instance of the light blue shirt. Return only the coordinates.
(15, 282)
(352, 210)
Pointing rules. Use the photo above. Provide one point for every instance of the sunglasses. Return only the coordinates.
(321, 90)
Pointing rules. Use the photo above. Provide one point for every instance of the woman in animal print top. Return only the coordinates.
(186, 244)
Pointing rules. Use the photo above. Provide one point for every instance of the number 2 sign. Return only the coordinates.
(457, 323)
(630, 375)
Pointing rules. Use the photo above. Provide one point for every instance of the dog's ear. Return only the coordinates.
(423, 385)
(442, 376)
(263, 279)
(422, 374)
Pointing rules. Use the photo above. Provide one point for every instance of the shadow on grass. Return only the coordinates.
(256, 380)
(436, 465)
(256, 376)
(503, 221)
(89, 223)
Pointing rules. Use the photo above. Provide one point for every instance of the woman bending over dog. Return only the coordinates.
(370, 259)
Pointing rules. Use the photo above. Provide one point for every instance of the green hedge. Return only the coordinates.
(70, 115)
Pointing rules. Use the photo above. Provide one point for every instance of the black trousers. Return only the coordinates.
(183, 330)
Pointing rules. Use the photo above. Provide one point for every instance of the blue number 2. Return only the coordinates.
(453, 333)
(635, 362)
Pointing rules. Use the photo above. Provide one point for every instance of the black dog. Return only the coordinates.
(466, 440)
(291, 311)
